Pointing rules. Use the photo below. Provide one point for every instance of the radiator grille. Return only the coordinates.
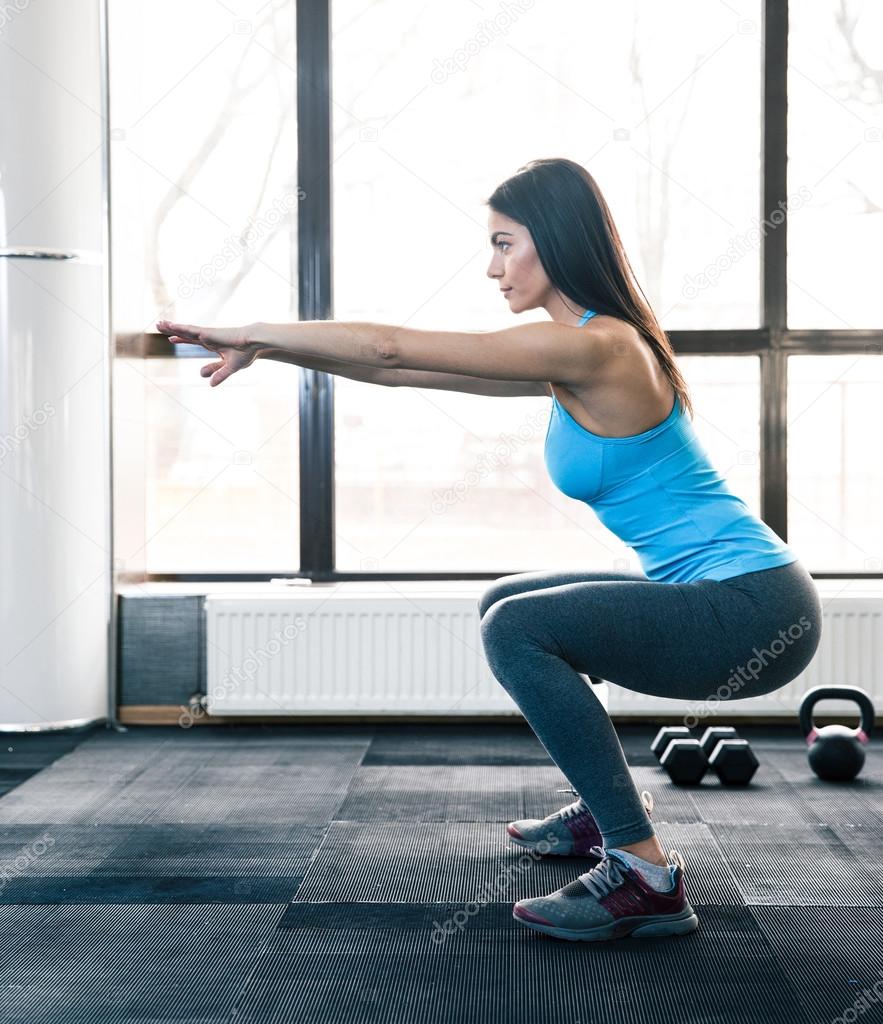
(417, 647)
(375, 653)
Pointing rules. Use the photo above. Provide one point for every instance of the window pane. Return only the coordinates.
(438, 481)
(430, 114)
(835, 168)
(209, 482)
(835, 476)
(204, 223)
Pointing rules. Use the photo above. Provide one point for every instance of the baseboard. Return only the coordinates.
(164, 714)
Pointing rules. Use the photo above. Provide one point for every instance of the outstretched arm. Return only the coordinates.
(407, 378)
(354, 371)
(529, 352)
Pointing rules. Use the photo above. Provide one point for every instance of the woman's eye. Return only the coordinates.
(501, 244)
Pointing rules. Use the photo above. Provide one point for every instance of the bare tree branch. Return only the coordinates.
(236, 92)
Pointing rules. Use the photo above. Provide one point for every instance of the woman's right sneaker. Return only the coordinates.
(571, 831)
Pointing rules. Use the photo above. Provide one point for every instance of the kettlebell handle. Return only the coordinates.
(817, 693)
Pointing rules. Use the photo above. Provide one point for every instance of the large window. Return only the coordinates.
(433, 480)
(204, 216)
(434, 105)
(835, 168)
(739, 146)
(835, 476)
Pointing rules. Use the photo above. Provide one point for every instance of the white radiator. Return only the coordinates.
(398, 647)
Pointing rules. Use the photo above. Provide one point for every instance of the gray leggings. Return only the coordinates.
(704, 641)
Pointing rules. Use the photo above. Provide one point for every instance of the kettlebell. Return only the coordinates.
(836, 752)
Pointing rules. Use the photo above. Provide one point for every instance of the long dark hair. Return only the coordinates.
(577, 243)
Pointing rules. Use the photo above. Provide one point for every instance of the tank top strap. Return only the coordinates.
(589, 313)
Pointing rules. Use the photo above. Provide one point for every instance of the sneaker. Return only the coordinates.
(611, 901)
(571, 831)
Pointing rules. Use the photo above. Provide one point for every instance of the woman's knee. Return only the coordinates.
(494, 593)
(503, 622)
(484, 603)
(488, 607)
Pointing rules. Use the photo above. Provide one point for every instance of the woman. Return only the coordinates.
(719, 589)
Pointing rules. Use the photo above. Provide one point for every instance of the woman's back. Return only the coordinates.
(659, 492)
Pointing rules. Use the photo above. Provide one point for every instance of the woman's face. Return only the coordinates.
(515, 264)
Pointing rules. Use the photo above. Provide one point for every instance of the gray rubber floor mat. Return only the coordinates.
(671, 802)
(79, 964)
(399, 962)
(431, 862)
(808, 866)
(23, 754)
(766, 800)
(154, 863)
(833, 957)
(264, 876)
(456, 744)
(182, 789)
(453, 793)
(485, 793)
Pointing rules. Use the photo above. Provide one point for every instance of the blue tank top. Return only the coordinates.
(660, 494)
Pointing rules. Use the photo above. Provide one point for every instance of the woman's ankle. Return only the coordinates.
(647, 849)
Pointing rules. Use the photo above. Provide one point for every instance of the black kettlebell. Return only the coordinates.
(836, 752)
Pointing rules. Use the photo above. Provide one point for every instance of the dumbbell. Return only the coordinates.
(687, 759)
(730, 756)
(665, 735)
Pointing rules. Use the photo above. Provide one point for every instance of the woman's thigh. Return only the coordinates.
(680, 640)
(524, 582)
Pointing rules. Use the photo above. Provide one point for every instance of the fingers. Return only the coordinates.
(188, 334)
(187, 330)
(220, 376)
(210, 345)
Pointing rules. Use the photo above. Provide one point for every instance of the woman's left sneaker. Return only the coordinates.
(570, 831)
(611, 901)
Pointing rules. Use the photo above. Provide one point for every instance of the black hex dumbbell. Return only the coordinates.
(734, 762)
(680, 754)
(665, 735)
(713, 734)
(685, 761)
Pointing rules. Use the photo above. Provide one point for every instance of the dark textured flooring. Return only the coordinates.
(303, 873)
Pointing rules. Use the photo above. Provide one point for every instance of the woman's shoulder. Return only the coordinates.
(629, 392)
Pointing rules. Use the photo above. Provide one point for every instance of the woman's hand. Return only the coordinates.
(235, 345)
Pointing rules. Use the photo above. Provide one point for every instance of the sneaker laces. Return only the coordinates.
(604, 877)
(572, 810)
(610, 873)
